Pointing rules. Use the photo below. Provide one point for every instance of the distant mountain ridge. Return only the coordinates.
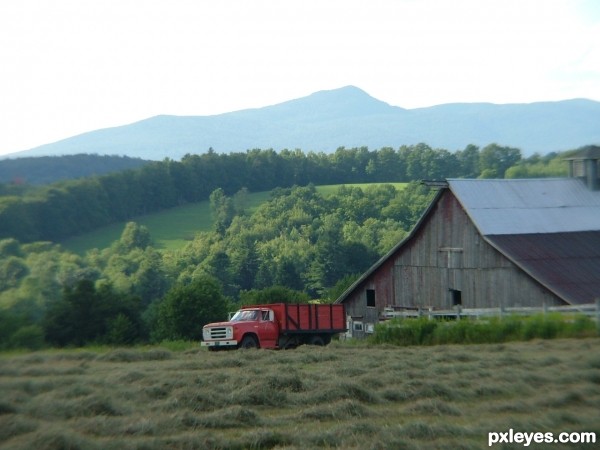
(347, 117)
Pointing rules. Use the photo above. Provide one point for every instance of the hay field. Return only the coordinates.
(340, 396)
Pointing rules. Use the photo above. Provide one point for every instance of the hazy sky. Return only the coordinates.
(71, 66)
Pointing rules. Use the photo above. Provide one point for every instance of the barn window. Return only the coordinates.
(371, 298)
(358, 326)
(456, 296)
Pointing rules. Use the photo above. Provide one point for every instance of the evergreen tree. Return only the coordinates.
(84, 315)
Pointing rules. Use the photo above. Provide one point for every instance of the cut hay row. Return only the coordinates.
(340, 396)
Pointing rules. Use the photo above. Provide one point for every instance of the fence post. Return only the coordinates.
(458, 310)
(544, 308)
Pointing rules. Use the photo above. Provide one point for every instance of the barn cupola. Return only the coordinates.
(583, 164)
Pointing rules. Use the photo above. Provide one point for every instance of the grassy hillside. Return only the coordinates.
(340, 396)
(172, 228)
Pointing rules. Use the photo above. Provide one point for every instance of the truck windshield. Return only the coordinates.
(242, 316)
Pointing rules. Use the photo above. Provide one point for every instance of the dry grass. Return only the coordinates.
(351, 397)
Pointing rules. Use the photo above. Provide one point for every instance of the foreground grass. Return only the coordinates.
(340, 396)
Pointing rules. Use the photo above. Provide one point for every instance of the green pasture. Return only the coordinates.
(173, 228)
(329, 189)
(170, 229)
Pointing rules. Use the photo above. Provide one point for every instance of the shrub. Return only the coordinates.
(30, 337)
(541, 326)
(582, 326)
(186, 308)
(507, 328)
(452, 332)
(121, 331)
(424, 331)
(85, 315)
(405, 332)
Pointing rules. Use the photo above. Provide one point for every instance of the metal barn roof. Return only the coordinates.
(525, 206)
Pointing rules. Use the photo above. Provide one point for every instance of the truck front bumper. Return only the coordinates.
(224, 343)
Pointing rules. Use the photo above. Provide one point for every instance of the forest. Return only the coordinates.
(42, 170)
(297, 246)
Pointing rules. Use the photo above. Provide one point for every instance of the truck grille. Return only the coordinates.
(218, 333)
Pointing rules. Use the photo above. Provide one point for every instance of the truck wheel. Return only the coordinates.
(316, 340)
(249, 342)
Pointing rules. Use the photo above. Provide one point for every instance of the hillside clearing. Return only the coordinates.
(173, 228)
(170, 229)
(340, 396)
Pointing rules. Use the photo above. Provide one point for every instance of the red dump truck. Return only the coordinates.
(279, 325)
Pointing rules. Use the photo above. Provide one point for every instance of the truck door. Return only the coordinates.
(268, 329)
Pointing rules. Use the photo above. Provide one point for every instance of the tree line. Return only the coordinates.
(72, 207)
(40, 170)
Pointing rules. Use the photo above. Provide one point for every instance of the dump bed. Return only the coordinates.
(308, 318)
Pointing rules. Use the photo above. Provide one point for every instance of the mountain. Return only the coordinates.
(347, 117)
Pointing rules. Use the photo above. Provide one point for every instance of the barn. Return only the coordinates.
(486, 243)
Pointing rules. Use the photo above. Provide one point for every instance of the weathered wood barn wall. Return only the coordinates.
(448, 262)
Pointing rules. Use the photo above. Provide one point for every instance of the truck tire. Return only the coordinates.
(249, 342)
(316, 340)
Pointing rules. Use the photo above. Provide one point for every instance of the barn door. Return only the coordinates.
(454, 265)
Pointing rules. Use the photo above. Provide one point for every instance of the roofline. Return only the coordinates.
(394, 249)
(584, 153)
